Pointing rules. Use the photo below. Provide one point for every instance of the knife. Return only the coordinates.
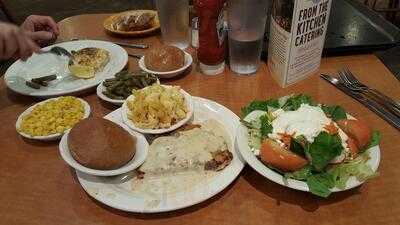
(139, 56)
(141, 46)
(372, 105)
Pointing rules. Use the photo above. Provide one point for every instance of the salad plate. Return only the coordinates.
(316, 171)
(39, 65)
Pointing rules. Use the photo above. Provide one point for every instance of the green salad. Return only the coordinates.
(303, 140)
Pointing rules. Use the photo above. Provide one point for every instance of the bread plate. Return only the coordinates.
(168, 74)
(51, 137)
(175, 126)
(108, 24)
(139, 157)
(117, 192)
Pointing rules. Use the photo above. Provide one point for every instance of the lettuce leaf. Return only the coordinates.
(375, 139)
(320, 184)
(258, 130)
(259, 105)
(335, 112)
(301, 174)
(297, 145)
(266, 126)
(294, 102)
(254, 132)
(255, 138)
(357, 167)
(324, 148)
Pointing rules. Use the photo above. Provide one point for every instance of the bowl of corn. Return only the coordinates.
(50, 119)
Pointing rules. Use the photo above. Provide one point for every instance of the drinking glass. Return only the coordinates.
(174, 22)
(246, 26)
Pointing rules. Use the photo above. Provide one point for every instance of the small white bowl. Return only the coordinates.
(180, 123)
(51, 137)
(101, 88)
(169, 74)
(142, 147)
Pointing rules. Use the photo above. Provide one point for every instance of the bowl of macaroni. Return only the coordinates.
(157, 109)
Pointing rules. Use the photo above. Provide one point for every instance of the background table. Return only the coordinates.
(37, 187)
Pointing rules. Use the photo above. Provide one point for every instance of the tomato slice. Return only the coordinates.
(273, 154)
(357, 130)
(352, 144)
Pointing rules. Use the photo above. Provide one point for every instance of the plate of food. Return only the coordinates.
(100, 147)
(299, 143)
(157, 109)
(165, 61)
(115, 90)
(50, 119)
(183, 168)
(133, 23)
(48, 74)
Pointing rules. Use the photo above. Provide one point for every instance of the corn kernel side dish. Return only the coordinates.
(53, 117)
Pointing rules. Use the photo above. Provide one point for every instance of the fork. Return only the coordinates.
(349, 80)
(58, 51)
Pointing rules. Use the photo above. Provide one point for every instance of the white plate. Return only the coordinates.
(141, 153)
(119, 195)
(99, 90)
(169, 74)
(180, 123)
(52, 136)
(244, 149)
(45, 64)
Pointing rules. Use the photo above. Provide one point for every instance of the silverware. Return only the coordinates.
(372, 105)
(141, 46)
(139, 56)
(58, 51)
(367, 94)
(354, 84)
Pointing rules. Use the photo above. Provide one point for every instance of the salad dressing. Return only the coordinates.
(308, 121)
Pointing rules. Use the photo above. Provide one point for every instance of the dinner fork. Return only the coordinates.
(349, 80)
(58, 51)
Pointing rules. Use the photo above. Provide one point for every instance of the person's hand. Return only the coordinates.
(41, 29)
(15, 42)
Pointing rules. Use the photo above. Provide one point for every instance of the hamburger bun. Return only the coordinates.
(165, 58)
(100, 144)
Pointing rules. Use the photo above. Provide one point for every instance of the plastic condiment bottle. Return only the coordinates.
(212, 36)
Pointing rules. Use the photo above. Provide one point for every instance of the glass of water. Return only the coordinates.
(246, 26)
(174, 22)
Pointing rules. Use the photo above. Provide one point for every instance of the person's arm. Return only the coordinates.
(22, 42)
(42, 29)
(14, 42)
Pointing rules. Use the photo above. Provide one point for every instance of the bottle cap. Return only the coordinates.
(212, 69)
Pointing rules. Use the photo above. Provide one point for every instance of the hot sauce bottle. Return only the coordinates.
(212, 36)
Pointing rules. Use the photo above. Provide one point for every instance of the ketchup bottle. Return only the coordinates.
(212, 36)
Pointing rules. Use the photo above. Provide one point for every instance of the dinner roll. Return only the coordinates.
(164, 58)
(100, 144)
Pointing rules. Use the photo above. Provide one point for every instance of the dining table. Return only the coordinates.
(38, 188)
